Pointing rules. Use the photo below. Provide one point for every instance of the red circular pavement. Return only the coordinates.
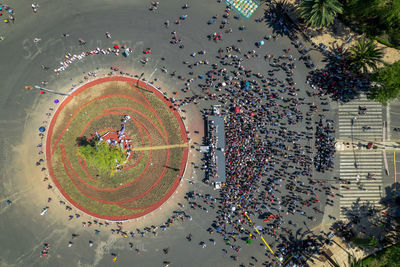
(145, 124)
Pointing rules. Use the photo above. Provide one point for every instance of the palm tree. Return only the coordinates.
(365, 55)
(320, 13)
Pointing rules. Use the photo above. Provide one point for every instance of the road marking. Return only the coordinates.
(388, 122)
(351, 122)
(395, 176)
(262, 238)
(367, 162)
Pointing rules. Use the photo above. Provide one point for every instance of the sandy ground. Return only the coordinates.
(338, 251)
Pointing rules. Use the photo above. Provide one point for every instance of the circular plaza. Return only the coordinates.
(116, 149)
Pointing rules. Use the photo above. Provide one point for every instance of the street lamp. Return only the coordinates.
(141, 75)
(353, 120)
(46, 90)
(151, 75)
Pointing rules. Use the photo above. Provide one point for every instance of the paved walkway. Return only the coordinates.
(145, 148)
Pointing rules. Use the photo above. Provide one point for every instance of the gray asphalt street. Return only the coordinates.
(22, 229)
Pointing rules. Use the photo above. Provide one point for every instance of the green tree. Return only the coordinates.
(370, 241)
(362, 10)
(320, 13)
(378, 18)
(390, 14)
(365, 55)
(102, 156)
(393, 256)
(387, 82)
(390, 17)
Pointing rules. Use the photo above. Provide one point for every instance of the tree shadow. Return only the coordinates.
(84, 141)
(340, 30)
(278, 19)
(304, 245)
(391, 196)
(171, 168)
(365, 221)
(337, 79)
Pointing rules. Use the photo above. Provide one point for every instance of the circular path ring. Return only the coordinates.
(159, 134)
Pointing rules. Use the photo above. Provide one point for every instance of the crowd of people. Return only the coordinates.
(325, 145)
(69, 58)
(337, 81)
(8, 13)
(264, 154)
(269, 133)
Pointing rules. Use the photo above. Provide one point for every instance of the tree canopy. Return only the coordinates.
(320, 13)
(377, 18)
(388, 83)
(102, 156)
(365, 55)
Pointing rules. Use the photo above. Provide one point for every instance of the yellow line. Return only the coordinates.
(371, 150)
(395, 175)
(265, 242)
(159, 147)
(287, 260)
(262, 238)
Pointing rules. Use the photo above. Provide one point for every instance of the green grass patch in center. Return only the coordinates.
(103, 156)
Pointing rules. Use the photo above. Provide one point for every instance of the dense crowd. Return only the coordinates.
(265, 154)
(325, 145)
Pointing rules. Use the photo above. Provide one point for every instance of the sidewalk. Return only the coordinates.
(336, 252)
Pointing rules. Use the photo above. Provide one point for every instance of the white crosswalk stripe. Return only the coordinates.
(351, 123)
(367, 162)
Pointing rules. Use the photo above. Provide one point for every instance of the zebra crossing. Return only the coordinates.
(351, 123)
(355, 167)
